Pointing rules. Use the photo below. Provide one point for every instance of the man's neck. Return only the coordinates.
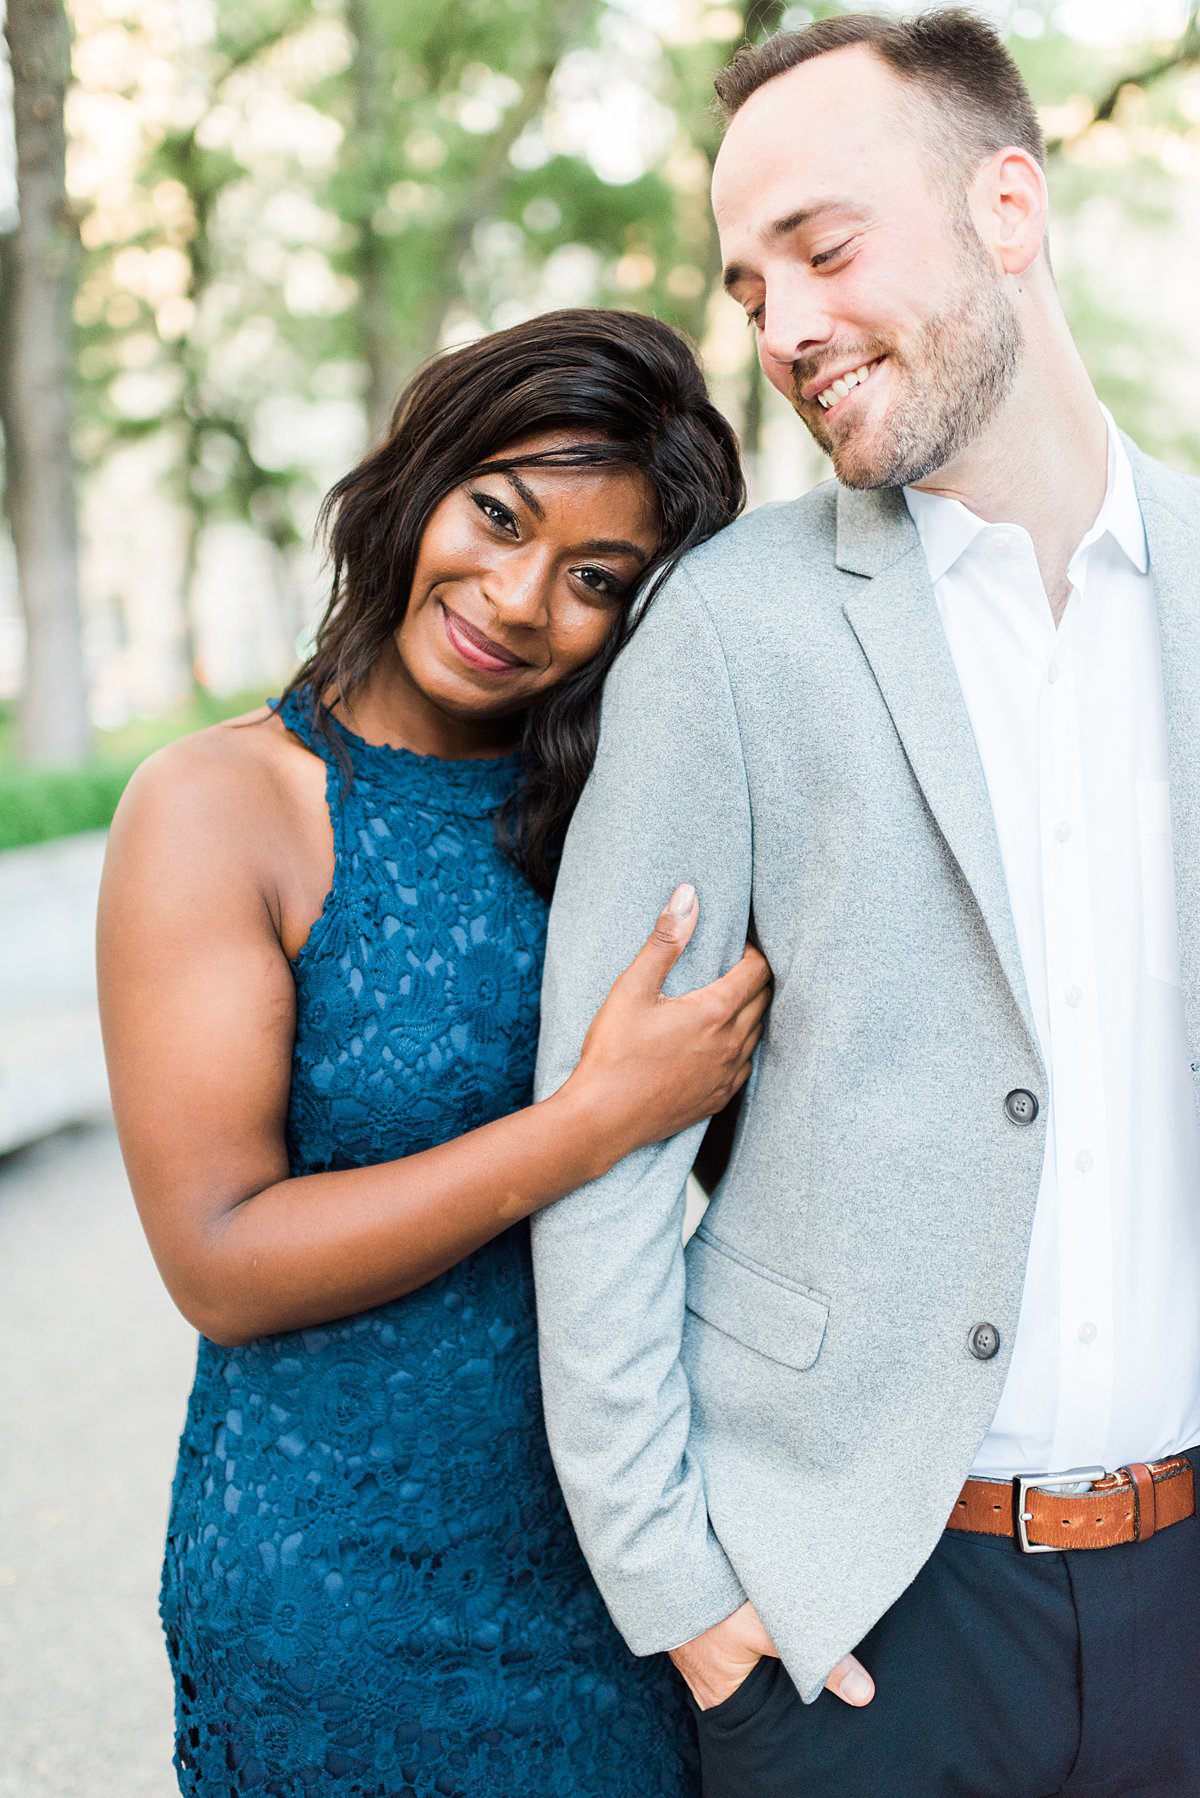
(1041, 464)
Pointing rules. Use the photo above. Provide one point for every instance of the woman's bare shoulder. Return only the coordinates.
(212, 797)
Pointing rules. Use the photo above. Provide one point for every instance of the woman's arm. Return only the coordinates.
(198, 1010)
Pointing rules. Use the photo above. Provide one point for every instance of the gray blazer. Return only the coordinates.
(788, 1409)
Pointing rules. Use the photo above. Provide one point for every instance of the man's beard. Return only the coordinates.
(955, 380)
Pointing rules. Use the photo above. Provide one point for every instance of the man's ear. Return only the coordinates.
(1010, 206)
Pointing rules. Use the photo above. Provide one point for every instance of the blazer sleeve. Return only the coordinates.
(667, 801)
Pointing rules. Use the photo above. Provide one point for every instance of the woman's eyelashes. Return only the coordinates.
(497, 513)
(600, 581)
(605, 583)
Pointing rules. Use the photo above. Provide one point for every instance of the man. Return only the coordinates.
(934, 727)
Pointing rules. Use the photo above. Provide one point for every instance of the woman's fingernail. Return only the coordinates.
(682, 900)
(857, 1687)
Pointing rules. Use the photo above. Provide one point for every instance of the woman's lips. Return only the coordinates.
(477, 649)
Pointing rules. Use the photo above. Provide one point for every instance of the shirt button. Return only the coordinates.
(984, 1341)
(1020, 1107)
(1074, 996)
(1062, 830)
(1085, 1161)
(1052, 673)
(1087, 1333)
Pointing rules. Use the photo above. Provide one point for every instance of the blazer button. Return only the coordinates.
(984, 1341)
(1020, 1107)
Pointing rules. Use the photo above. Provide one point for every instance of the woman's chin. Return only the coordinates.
(463, 696)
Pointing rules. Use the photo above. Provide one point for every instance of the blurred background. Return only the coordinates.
(227, 235)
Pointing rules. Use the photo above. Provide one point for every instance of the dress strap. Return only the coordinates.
(295, 710)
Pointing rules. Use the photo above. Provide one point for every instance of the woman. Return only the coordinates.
(321, 935)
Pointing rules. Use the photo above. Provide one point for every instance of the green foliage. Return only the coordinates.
(318, 196)
(38, 805)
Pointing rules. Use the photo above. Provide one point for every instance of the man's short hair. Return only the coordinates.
(970, 89)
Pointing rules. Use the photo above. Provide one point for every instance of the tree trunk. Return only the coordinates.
(374, 124)
(37, 275)
(560, 25)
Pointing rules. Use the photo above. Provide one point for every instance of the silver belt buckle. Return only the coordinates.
(1076, 1476)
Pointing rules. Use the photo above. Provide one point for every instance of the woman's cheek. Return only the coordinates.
(577, 638)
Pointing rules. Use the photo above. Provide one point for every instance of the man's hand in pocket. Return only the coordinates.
(715, 1664)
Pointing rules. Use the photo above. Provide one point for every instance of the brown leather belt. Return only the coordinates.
(1126, 1506)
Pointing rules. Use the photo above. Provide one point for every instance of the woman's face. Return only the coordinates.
(518, 580)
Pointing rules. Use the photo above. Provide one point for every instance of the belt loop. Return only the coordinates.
(1145, 1503)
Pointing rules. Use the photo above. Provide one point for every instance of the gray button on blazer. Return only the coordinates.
(787, 1410)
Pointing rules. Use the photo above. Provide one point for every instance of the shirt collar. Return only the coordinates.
(947, 528)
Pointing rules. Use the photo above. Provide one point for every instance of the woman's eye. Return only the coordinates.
(828, 255)
(601, 581)
(496, 513)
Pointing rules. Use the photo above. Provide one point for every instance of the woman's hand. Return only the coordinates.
(654, 1065)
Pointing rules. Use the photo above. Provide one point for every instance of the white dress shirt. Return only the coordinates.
(1070, 726)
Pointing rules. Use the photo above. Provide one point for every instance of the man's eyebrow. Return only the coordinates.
(782, 227)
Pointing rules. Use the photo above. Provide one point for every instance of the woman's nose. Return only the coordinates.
(518, 587)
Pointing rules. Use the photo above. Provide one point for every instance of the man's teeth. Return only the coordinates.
(837, 390)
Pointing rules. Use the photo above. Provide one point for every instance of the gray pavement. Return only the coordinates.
(95, 1365)
(51, 1065)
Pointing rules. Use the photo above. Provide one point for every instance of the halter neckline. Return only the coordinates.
(471, 785)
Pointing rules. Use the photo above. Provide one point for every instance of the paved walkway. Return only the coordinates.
(95, 1365)
(51, 1066)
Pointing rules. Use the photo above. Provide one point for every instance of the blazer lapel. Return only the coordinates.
(1173, 534)
(894, 615)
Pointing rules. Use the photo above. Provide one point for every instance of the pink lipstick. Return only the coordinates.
(476, 649)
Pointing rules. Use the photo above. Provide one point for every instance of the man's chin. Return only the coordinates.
(864, 476)
(853, 466)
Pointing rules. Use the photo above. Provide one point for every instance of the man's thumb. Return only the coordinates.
(669, 938)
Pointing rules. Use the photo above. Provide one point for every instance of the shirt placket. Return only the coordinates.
(1080, 1148)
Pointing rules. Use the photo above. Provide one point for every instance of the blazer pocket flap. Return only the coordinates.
(775, 1316)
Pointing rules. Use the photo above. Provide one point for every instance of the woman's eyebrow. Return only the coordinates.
(615, 546)
(531, 500)
(597, 546)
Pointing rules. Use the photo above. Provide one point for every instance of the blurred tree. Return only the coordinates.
(1183, 53)
(314, 195)
(181, 292)
(37, 278)
(448, 89)
(212, 426)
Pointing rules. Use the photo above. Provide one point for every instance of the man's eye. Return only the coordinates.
(828, 255)
(496, 513)
(755, 317)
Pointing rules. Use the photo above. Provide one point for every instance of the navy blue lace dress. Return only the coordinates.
(371, 1585)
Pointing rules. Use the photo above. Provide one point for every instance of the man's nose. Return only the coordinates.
(796, 325)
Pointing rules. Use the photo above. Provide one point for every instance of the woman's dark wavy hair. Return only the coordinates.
(633, 388)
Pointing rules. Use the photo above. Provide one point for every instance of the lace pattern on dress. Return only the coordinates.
(371, 1587)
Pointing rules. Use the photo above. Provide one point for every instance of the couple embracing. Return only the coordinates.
(894, 1461)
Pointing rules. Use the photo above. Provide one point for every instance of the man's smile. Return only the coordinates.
(844, 384)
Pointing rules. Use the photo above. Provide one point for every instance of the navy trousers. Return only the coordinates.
(997, 1675)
